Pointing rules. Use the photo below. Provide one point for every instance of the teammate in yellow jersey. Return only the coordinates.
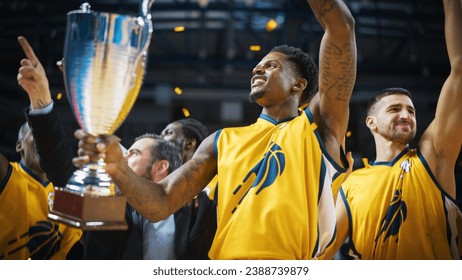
(264, 211)
(26, 196)
(402, 205)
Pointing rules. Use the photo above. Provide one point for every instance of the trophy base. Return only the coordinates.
(89, 212)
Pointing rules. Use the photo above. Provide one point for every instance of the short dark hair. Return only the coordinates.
(193, 129)
(305, 67)
(386, 92)
(163, 150)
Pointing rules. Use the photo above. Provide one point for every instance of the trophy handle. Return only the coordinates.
(144, 22)
(145, 8)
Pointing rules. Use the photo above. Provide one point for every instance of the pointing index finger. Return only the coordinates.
(28, 50)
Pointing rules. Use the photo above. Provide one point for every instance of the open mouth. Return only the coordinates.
(256, 81)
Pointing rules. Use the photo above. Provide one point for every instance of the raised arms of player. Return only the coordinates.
(441, 142)
(154, 201)
(32, 77)
(337, 70)
(52, 144)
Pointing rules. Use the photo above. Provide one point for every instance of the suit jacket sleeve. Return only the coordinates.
(195, 229)
(53, 146)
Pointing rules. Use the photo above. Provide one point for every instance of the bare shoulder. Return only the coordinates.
(203, 165)
(440, 161)
(206, 148)
(191, 178)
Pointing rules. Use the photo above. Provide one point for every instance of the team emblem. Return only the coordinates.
(266, 171)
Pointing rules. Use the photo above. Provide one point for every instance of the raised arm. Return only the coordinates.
(32, 77)
(52, 143)
(441, 142)
(337, 68)
(154, 201)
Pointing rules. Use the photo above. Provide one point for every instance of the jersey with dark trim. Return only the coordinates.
(26, 232)
(397, 210)
(274, 191)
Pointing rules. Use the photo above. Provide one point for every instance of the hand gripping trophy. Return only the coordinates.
(104, 65)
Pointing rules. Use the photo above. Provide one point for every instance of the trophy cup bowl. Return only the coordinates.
(104, 66)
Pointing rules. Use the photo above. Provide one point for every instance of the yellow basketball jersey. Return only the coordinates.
(274, 191)
(26, 233)
(211, 187)
(397, 210)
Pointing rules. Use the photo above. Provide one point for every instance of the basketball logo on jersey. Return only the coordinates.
(266, 171)
(396, 214)
(44, 240)
(397, 210)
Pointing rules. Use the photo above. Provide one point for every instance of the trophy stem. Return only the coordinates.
(89, 201)
(92, 180)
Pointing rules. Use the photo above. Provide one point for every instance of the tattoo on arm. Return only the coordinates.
(325, 6)
(338, 65)
(189, 175)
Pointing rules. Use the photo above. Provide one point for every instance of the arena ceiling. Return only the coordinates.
(400, 43)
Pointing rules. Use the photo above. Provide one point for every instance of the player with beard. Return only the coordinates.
(151, 157)
(187, 133)
(402, 205)
(284, 164)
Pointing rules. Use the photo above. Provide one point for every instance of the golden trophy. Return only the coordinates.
(104, 66)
